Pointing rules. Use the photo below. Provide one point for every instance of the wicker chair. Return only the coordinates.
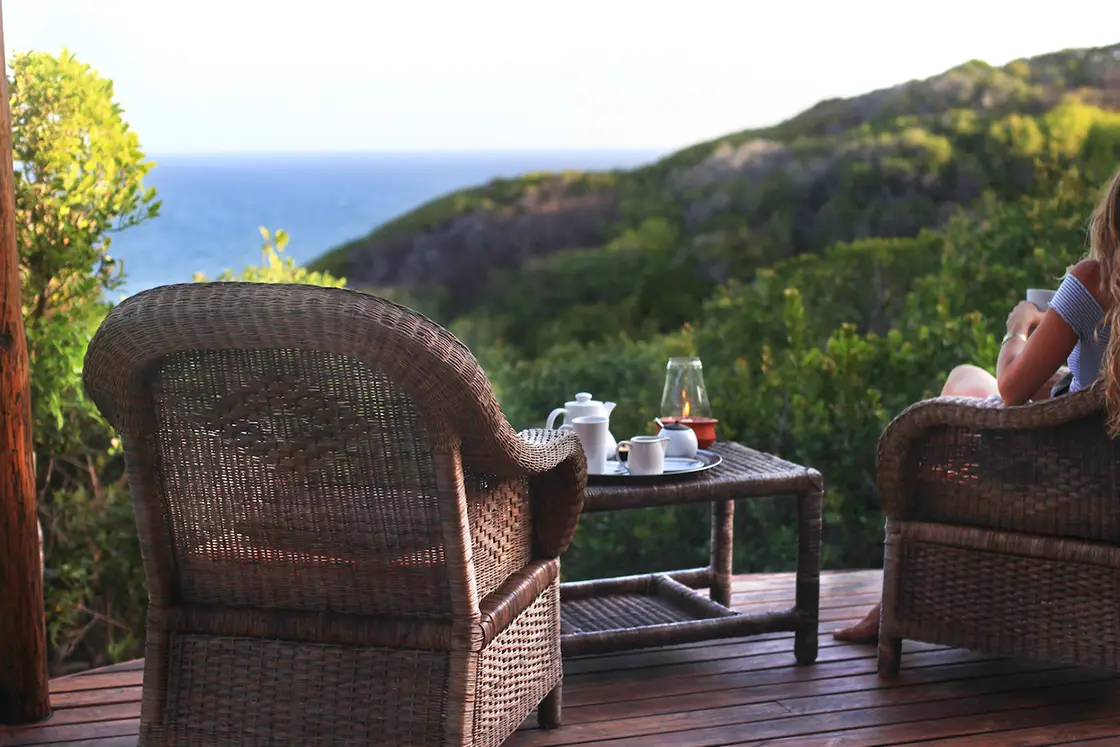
(344, 540)
(1003, 526)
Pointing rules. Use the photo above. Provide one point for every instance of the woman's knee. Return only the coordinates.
(966, 372)
(969, 381)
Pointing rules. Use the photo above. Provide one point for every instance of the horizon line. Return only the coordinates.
(413, 152)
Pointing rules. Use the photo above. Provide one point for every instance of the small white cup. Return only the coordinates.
(1040, 298)
(594, 434)
(647, 454)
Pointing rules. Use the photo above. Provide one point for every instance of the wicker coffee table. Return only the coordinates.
(660, 609)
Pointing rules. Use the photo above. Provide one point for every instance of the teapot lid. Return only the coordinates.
(583, 399)
(675, 427)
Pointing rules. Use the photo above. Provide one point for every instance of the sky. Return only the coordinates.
(419, 75)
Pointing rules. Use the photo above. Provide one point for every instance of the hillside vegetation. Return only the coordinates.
(829, 271)
(887, 163)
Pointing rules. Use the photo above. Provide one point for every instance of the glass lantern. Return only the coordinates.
(685, 395)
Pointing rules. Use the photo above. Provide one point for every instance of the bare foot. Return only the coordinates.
(865, 631)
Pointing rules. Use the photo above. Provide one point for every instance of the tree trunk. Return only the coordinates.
(24, 685)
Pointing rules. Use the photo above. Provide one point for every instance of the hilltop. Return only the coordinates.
(886, 163)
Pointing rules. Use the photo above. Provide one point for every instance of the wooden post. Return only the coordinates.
(24, 693)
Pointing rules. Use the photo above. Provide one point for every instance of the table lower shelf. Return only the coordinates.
(653, 610)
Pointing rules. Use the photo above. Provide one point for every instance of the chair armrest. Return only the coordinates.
(501, 607)
(557, 471)
(558, 487)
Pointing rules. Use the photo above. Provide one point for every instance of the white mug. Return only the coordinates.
(1040, 298)
(593, 432)
(647, 454)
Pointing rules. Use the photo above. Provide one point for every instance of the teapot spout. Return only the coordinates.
(608, 407)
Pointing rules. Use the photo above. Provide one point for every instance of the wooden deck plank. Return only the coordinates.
(101, 696)
(737, 692)
(933, 676)
(93, 713)
(97, 682)
(959, 727)
(49, 734)
(716, 660)
(866, 726)
(1083, 732)
(688, 722)
(730, 648)
(574, 695)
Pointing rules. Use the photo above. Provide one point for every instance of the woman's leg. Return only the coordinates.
(963, 381)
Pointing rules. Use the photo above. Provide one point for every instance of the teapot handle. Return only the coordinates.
(551, 422)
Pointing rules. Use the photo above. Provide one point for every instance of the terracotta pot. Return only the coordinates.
(705, 430)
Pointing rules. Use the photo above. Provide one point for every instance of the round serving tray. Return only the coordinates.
(675, 469)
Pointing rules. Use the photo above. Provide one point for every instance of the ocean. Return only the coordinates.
(213, 204)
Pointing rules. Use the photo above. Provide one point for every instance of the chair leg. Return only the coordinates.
(890, 656)
(808, 590)
(890, 645)
(548, 713)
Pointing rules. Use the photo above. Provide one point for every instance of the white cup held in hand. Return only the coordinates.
(647, 454)
(1040, 298)
(594, 433)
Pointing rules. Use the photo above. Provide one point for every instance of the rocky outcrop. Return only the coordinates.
(458, 255)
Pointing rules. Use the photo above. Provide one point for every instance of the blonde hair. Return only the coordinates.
(1104, 247)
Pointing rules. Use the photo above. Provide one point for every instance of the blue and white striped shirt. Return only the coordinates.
(1079, 308)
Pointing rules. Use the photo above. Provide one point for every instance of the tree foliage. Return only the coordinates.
(79, 179)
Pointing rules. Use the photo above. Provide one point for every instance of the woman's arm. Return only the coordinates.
(1024, 367)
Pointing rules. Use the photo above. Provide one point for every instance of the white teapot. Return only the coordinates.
(580, 406)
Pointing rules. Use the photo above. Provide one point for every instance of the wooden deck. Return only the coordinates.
(739, 692)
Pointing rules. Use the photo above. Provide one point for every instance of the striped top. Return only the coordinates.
(1080, 310)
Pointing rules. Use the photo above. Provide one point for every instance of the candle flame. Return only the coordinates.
(687, 407)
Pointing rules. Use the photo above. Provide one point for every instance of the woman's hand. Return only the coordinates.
(1024, 318)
